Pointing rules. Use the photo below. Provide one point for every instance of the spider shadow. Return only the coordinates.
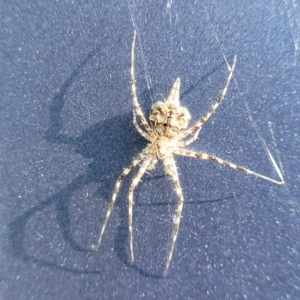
(201, 79)
(95, 143)
(102, 143)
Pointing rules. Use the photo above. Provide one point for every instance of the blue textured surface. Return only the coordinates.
(66, 133)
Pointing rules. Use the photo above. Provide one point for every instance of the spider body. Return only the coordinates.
(168, 134)
(167, 120)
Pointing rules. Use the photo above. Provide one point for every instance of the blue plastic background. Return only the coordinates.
(66, 133)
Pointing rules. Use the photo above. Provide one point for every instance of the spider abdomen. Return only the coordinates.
(168, 119)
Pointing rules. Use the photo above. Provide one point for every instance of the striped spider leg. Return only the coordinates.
(167, 134)
(142, 156)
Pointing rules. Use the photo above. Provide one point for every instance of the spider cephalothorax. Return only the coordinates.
(168, 135)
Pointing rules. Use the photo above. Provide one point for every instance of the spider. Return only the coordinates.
(167, 134)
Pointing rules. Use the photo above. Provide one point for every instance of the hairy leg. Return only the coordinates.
(171, 169)
(190, 140)
(225, 163)
(140, 130)
(134, 183)
(133, 88)
(138, 159)
(198, 124)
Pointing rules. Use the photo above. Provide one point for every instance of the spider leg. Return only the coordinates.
(214, 106)
(140, 130)
(190, 140)
(152, 164)
(133, 88)
(134, 183)
(172, 170)
(225, 163)
(125, 172)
